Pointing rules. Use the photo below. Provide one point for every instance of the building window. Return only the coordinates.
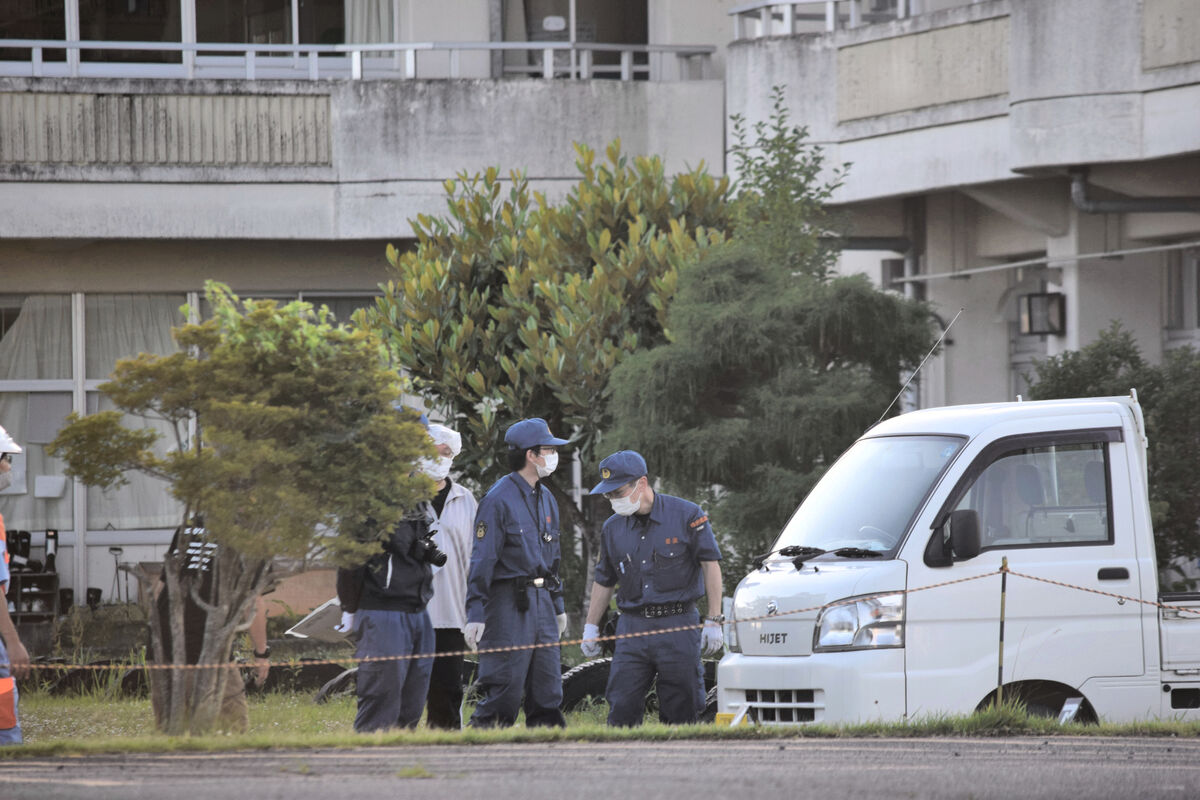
(32, 19)
(1181, 303)
(35, 396)
(317, 21)
(120, 326)
(130, 21)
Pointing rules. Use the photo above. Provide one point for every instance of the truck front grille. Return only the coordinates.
(781, 706)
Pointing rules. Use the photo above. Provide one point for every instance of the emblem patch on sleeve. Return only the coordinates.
(481, 530)
(696, 523)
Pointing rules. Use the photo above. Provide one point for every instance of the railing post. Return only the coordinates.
(36, 59)
(356, 65)
(789, 19)
(901, 9)
(855, 14)
(312, 65)
(548, 63)
(765, 17)
(71, 34)
(585, 64)
(410, 63)
(737, 26)
(626, 65)
(830, 15)
(249, 65)
(454, 64)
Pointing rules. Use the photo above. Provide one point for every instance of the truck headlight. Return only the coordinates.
(731, 637)
(876, 621)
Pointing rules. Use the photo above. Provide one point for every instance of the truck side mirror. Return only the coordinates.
(956, 539)
(964, 534)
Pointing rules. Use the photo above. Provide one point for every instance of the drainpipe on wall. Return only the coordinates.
(1127, 205)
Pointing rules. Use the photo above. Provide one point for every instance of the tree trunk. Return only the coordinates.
(189, 699)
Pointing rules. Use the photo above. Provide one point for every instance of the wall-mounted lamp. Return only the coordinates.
(1043, 313)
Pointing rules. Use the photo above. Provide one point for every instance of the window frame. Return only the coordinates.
(1003, 447)
(1181, 298)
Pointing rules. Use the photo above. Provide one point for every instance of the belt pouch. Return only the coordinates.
(521, 588)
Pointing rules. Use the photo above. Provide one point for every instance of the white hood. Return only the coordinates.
(783, 603)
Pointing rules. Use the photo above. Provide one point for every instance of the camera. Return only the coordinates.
(425, 551)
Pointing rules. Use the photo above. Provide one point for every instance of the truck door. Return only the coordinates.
(1057, 506)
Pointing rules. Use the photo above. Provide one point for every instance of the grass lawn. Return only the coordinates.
(95, 723)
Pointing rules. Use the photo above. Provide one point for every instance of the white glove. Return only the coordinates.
(562, 624)
(347, 623)
(711, 639)
(590, 647)
(472, 634)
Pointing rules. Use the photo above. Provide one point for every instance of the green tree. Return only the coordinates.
(1169, 394)
(511, 306)
(297, 452)
(774, 365)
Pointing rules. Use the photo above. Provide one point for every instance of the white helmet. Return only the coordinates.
(7, 445)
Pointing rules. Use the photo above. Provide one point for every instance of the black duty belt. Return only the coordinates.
(538, 583)
(656, 610)
(522, 585)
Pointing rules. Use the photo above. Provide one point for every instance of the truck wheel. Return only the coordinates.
(585, 683)
(710, 706)
(338, 686)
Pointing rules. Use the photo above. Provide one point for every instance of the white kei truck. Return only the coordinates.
(882, 598)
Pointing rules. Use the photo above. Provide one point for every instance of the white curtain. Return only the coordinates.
(370, 21)
(37, 346)
(515, 30)
(121, 326)
(38, 343)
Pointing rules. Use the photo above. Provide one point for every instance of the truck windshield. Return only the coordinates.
(870, 494)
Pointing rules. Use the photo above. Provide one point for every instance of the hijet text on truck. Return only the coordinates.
(881, 600)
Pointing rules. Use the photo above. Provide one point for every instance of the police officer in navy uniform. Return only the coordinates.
(660, 555)
(514, 596)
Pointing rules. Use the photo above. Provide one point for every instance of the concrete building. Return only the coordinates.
(246, 141)
(278, 146)
(1030, 153)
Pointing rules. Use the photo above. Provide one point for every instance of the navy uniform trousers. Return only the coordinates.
(392, 693)
(674, 657)
(535, 674)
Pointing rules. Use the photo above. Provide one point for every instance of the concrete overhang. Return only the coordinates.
(294, 160)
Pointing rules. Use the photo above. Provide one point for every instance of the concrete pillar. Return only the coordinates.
(974, 368)
(1126, 289)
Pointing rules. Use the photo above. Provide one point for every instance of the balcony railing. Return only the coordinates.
(780, 17)
(353, 61)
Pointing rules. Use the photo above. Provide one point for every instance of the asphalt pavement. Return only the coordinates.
(828, 769)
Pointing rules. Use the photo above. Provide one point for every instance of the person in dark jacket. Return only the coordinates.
(383, 602)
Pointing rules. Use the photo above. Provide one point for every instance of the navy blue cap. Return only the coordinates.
(622, 467)
(529, 433)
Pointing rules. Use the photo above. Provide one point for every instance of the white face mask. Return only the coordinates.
(436, 468)
(627, 505)
(551, 465)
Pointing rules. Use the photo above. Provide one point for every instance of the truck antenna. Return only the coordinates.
(918, 369)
